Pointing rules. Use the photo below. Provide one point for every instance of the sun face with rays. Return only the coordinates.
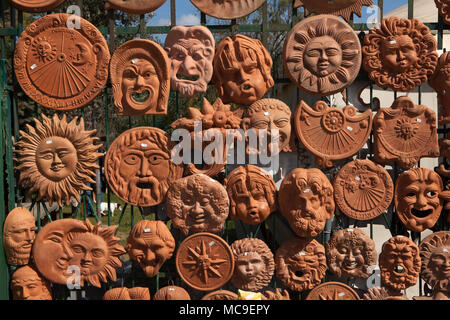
(343, 8)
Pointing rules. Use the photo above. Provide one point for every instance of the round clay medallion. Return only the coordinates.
(60, 66)
(363, 189)
(171, 293)
(322, 55)
(204, 261)
(444, 9)
(221, 295)
(227, 9)
(343, 8)
(332, 291)
(134, 6)
(35, 6)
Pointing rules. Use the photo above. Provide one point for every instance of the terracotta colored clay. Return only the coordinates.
(332, 291)
(254, 264)
(171, 293)
(322, 55)
(18, 236)
(444, 151)
(68, 244)
(306, 201)
(331, 133)
(300, 263)
(351, 253)
(276, 295)
(191, 52)
(343, 8)
(399, 263)
(242, 70)
(440, 81)
(36, 5)
(252, 193)
(140, 78)
(401, 55)
(197, 203)
(381, 293)
(249, 295)
(416, 199)
(28, 284)
(227, 9)
(57, 159)
(150, 244)
(139, 168)
(134, 6)
(59, 66)
(221, 295)
(363, 189)
(136, 293)
(444, 9)
(204, 261)
(404, 133)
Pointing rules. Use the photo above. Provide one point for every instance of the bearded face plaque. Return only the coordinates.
(343, 8)
(242, 69)
(306, 201)
(227, 9)
(134, 6)
(27, 284)
(140, 78)
(150, 244)
(322, 55)
(197, 203)
(36, 5)
(57, 159)
(440, 82)
(444, 9)
(417, 198)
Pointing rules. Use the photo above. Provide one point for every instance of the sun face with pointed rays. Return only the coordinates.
(342, 8)
(43, 49)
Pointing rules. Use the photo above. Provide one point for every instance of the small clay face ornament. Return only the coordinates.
(150, 244)
(440, 82)
(343, 8)
(191, 53)
(134, 6)
(242, 69)
(444, 9)
(171, 293)
(417, 198)
(227, 9)
(28, 284)
(36, 5)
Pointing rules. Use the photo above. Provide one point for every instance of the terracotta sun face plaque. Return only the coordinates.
(363, 189)
(227, 9)
(134, 6)
(440, 81)
(322, 55)
(401, 55)
(171, 293)
(306, 201)
(254, 264)
(399, 263)
(18, 236)
(139, 168)
(57, 158)
(444, 9)
(331, 133)
(300, 263)
(150, 244)
(140, 78)
(136, 293)
(343, 8)
(197, 203)
(204, 261)
(332, 291)
(221, 295)
(417, 201)
(404, 133)
(351, 253)
(59, 67)
(252, 193)
(36, 5)
(68, 242)
(27, 284)
(242, 69)
(191, 53)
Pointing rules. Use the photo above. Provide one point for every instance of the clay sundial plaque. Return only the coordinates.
(343, 8)
(332, 291)
(134, 6)
(35, 6)
(444, 9)
(440, 82)
(227, 9)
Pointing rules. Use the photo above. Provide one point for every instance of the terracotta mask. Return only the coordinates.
(351, 253)
(227, 9)
(440, 82)
(171, 293)
(417, 198)
(444, 9)
(150, 244)
(191, 53)
(254, 264)
(139, 168)
(57, 159)
(135, 293)
(399, 263)
(134, 6)
(343, 8)
(242, 69)
(197, 203)
(140, 78)
(18, 236)
(306, 201)
(27, 284)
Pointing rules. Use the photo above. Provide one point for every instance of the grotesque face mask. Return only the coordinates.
(27, 284)
(398, 54)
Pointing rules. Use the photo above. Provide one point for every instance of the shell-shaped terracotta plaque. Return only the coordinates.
(172, 293)
(331, 133)
(61, 64)
(227, 9)
(404, 133)
(343, 8)
(332, 291)
(134, 6)
(444, 9)
(363, 189)
(28, 284)
(204, 261)
(36, 5)
(322, 55)
(135, 293)
(221, 295)
(440, 82)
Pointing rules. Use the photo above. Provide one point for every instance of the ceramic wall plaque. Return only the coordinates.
(331, 133)
(139, 168)
(150, 244)
(440, 82)
(56, 159)
(343, 8)
(28, 284)
(276, 295)
(444, 9)
(332, 291)
(134, 6)
(382, 293)
(306, 201)
(404, 133)
(322, 55)
(171, 293)
(400, 55)
(444, 150)
(36, 5)
(242, 70)
(221, 295)
(417, 202)
(135, 293)
(204, 261)
(363, 189)
(59, 66)
(140, 78)
(228, 9)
